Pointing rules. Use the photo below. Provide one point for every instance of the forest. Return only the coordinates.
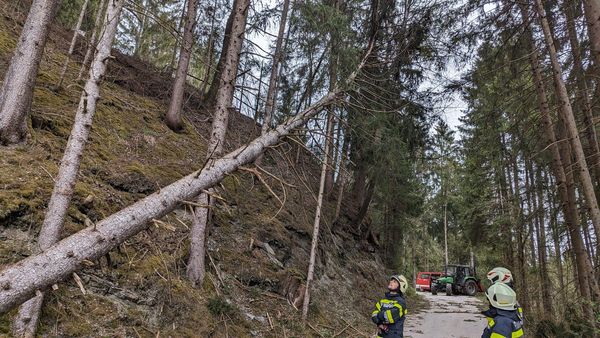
(232, 168)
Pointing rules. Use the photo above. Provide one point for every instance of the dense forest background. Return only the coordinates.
(318, 158)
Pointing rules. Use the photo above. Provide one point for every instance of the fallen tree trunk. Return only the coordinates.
(21, 281)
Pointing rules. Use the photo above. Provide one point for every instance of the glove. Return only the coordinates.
(383, 328)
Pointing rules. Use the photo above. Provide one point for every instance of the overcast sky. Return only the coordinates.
(450, 110)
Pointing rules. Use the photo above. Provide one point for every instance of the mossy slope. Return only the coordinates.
(140, 290)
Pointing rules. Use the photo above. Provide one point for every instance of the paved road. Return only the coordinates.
(448, 317)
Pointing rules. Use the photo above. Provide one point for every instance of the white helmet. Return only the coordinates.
(500, 275)
(402, 281)
(501, 296)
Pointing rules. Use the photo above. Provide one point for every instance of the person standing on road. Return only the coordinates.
(504, 276)
(503, 317)
(391, 311)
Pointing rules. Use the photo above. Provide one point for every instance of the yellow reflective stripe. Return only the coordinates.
(388, 314)
(518, 333)
(374, 313)
(400, 309)
(491, 322)
(405, 312)
(497, 335)
(378, 306)
(520, 309)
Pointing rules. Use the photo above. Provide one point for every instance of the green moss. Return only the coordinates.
(5, 324)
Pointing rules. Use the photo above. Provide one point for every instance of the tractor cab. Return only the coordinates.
(458, 279)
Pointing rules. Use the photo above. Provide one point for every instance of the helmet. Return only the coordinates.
(402, 281)
(500, 275)
(501, 296)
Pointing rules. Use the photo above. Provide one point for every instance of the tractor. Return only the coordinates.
(458, 279)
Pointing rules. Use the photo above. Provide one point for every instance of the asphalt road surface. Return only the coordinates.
(447, 317)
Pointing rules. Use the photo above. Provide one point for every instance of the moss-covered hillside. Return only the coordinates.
(140, 291)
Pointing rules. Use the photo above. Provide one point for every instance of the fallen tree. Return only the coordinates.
(24, 279)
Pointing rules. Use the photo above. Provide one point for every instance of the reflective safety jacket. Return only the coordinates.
(503, 324)
(391, 312)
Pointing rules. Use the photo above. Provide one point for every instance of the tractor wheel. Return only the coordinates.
(434, 290)
(448, 289)
(470, 288)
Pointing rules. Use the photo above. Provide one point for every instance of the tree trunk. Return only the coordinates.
(593, 152)
(258, 95)
(341, 181)
(565, 194)
(519, 223)
(208, 58)
(76, 30)
(333, 66)
(272, 91)
(592, 18)
(558, 255)
(176, 46)
(173, 118)
(224, 98)
(139, 37)
(315, 236)
(277, 56)
(570, 125)
(19, 80)
(92, 43)
(446, 236)
(530, 212)
(211, 95)
(21, 280)
(538, 207)
(25, 323)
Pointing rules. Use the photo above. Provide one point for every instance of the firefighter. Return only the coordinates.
(501, 275)
(503, 317)
(504, 276)
(390, 311)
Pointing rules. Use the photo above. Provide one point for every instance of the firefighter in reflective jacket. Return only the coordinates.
(390, 312)
(503, 316)
(504, 276)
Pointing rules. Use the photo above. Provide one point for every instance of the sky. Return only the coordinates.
(450, 110)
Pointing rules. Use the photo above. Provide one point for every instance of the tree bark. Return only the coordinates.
(76, 30)
(176, 46)
(589, 128)
(315, 235)
(557, 252)
(592, 17)
(538, 207)
(173, 118)
(277, 56)
(211, 95)
(341, 181)
(333, 74)
(19, 80)
(92, 43)
(196, 267)
(570, 124)
(566, 194)
(208, 58)
(139, 36)
(25, 323)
